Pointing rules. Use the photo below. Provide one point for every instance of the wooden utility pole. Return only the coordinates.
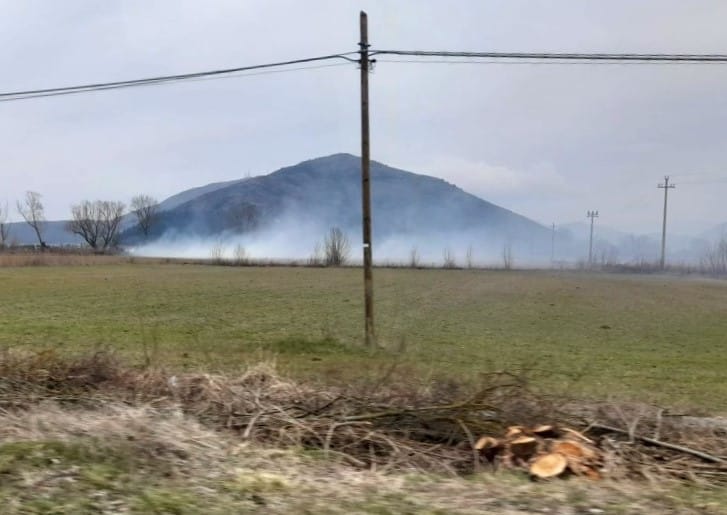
(591, 215)
(366, 181)
(666, 187)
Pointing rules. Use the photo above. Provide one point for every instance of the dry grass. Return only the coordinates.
(88, 435)
(23, 259)
(388, 425)
(122, 459)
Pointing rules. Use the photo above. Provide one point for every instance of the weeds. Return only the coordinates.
(88, 435)
(395, 425)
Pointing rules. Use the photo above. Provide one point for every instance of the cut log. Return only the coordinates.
(545, 431)
(524, 447)
(548, 465)
(592, 473)
(576, 435)
(513, 431)
(489, 447)
(486, 442)
(581, 469)
(574, 450)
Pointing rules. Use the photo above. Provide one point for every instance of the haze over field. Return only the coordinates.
(285, 215)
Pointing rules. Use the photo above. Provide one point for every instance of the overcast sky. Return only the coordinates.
(548, 141)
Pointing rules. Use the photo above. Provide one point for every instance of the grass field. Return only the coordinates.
(145, 444)
(647, 338)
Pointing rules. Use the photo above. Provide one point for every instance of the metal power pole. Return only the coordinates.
(666, 187)
(591, 215)
(365, 64)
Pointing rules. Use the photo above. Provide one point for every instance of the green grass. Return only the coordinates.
(649, 338)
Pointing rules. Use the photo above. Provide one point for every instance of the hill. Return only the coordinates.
(303, 201)
(54, 234)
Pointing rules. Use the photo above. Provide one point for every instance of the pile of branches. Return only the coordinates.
(389, 424)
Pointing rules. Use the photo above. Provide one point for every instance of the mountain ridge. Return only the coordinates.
(325, 191)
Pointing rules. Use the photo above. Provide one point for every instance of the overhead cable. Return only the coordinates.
(102, 86)
(677, 58)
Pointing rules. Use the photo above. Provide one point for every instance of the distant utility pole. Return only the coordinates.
(552, 246)
(666, 186)
(591, 215)
(365, 64)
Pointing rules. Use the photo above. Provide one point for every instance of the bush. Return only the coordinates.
(336, 247)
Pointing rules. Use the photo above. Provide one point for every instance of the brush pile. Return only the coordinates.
(390, 422)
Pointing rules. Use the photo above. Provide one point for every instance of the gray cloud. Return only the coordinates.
(548, 141)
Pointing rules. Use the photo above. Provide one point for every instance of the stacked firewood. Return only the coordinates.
(544, 451)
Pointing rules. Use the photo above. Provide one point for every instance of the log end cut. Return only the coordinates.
(486, 442)
(548, 465)
(524, 447)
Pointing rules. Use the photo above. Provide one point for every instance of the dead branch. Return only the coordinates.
(424, 409)
(666, 445)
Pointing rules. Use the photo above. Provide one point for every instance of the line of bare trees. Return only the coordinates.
(145, 209)
(98, 222)
(33, 212)
(714, 260)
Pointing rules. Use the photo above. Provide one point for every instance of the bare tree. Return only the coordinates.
(243, 217)
(605, 253)
(316, 259)
(414, 258)
(714, 260)
(32, 211)
(97, 222)
(448, 259)
(507, 257)
(336, 247)
(470, 257)
(145, 209)
(4, 227)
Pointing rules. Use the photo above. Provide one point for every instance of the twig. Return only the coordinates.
(251, 425)
(424, 409)
(329, 434)
(657, 432)
(667, 445)
(475, 454)
(321, 409)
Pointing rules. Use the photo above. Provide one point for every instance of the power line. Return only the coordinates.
(720, 180)
(165, 79)
(645, 58)
(195, 79)
(530, 58)
(524, 62)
